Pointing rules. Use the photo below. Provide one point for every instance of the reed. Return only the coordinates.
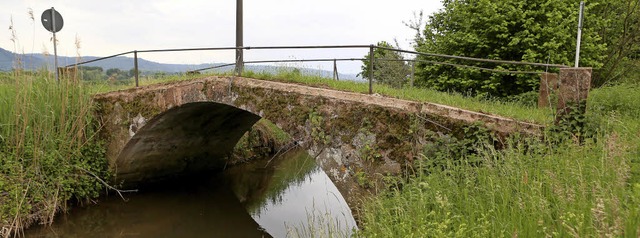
(46, 144)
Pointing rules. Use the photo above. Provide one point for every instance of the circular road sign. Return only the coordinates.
(47, 20)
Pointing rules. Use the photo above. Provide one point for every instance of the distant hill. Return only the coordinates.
(39, 61)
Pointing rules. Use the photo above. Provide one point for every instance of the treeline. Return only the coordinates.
(541, 31)
(114, 75)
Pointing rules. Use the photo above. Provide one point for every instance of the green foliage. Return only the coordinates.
(581, 180)
(623, 100)
(363, 180)
(388, 66)
(47, 154)
(562, 190)
(533, 31)
(316, 121)
(444, 152)
(621, 32)
(263, 139)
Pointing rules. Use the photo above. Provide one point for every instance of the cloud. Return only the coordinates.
(110, 27)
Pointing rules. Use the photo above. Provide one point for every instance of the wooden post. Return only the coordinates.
(548, 86)
(68, 73)
(574, 90)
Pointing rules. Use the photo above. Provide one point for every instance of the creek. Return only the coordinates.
(285, 196)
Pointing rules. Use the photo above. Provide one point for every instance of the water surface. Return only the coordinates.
(286, 196)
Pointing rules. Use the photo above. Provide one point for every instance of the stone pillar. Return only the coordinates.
(548, 86)
(574, 89)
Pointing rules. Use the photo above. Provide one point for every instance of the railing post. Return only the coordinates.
(413, 71)
(548, 86)
(573, 91)
(335, 71)
(239, 38)
(135, 66)
(371, 69)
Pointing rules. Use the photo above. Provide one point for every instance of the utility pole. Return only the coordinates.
(239, 56)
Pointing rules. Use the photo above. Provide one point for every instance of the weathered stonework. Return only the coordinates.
(192, 125)
(548, 86)
(574, 88)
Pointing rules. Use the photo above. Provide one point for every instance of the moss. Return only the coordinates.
(143, 104)
(263, 139)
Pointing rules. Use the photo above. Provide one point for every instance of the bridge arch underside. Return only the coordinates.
(189, 138)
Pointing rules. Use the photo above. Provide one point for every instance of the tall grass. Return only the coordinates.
(579, 191)
(530, 189)
(47, 152)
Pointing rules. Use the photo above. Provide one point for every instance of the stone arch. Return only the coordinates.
(191, 137)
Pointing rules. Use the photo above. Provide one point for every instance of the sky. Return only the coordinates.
(105, 28)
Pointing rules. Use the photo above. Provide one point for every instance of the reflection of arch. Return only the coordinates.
(183, 139)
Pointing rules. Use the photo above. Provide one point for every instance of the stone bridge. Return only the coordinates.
(176, 128)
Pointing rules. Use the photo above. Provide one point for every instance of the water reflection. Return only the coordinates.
(180, 209)
(283, 197)
(291, 196)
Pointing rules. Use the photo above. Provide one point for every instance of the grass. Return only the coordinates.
(511, 109)
(529, 189)
(507, 109)
(47, 154)
(320, 224)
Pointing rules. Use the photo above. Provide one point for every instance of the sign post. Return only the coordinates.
(52, 21)
(579, 38)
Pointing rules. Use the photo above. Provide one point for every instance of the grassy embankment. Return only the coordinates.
(530, 189)
(47, 154)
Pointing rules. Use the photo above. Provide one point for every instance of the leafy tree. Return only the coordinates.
(519, 30)
(621, 33)
(389, 67)
(91, 73)
(113, 72)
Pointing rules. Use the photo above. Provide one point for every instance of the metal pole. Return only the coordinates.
(239, 41)
(579, 34)
(135, 65)
(371, 69)
(55, 47)
(335, 70)
(413, 71)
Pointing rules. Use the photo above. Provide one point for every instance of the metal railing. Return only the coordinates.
(239, 62)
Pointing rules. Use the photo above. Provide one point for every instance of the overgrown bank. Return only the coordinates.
(569, 184)
(48, 155)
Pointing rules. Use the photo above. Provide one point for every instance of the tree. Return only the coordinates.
(519, 30)
(91, 73)
(389, 66)
(621, 33)
(113, 72)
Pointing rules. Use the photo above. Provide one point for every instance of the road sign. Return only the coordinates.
(52, 20)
